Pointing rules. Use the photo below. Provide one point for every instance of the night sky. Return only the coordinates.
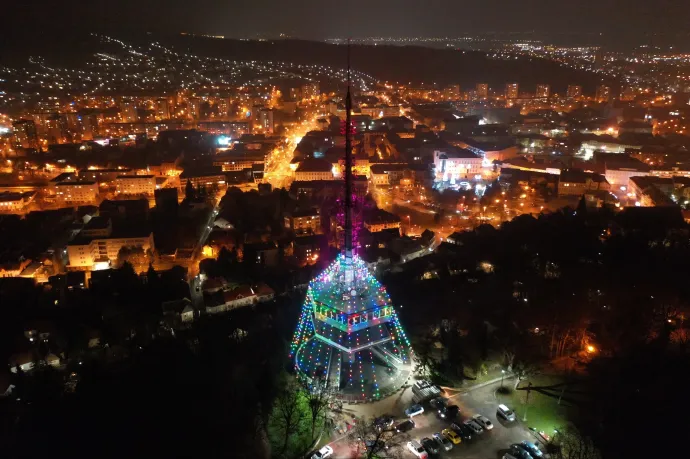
(620, 21)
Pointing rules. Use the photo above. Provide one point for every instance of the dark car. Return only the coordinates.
(462, 430)
(448, 412)
(438, 402)
(430, 445)
(405, 426)
(519, 451)
(384, 422)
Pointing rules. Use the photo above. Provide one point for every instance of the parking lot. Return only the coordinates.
(487, 445)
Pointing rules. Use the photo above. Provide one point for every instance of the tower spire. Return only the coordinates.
(348, 164)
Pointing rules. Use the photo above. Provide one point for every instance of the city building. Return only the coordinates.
(206, 178)
(543, 91)
(135, 184)
(482, 90)
(163, 109)
(651, 191)
(77, 193)
(24, 134)
(574, 91)
(303, 222)
(512, 91)
(386, 173)
(314, 169)
(378, 220)
(15, 202)
(603, 94)
(88, 254)
(455, 164)
(573, 182)
(264, 119)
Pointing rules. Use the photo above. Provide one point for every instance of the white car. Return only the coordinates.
(483, 421)
(414, 410)
(474, 425)
(323, 453)
(506, 413)
(417, 449)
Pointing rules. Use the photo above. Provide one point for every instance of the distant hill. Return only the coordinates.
(388, 63)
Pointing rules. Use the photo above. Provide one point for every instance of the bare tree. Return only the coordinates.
(372, 441)
(570, 443)
(523, 370)
(319, 398)
(287, 414)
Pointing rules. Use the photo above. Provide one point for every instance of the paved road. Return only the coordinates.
(488, 445)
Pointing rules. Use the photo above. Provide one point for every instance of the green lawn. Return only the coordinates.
(543, 411)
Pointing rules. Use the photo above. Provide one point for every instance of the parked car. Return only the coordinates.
(323, 453)
(438, 402)
(414, 410)
(384, 422)
(474, 425)
(462, 430)
(443, 441)
(506, 413)
(430, 445)
(417, 449)
(405, 426)
(509, 456)
(519, 452)
(448, 412)
(453, 436)
(483, 421)
(532, 449)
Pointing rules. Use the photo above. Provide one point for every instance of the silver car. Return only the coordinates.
(443, 442)
(483, 421)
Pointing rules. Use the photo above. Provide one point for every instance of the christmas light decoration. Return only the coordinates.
(348, 335)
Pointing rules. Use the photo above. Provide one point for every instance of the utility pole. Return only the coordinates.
(529, 386)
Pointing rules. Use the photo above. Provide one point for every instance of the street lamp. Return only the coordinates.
(503, 373)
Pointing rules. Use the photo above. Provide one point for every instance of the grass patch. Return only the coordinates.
(543, 411)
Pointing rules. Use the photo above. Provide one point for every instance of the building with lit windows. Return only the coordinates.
(135, 184)
(512, 91)
(574, 91)
(76, 193)
(543, 91)
(303, 222)
(24, 134)
(94, 253)
(455, 164)
(603, 94)
(482, 90)
(314, 169)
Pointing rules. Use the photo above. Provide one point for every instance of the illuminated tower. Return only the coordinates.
(349, 337)
(512, 91)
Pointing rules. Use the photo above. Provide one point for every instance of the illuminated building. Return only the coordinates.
(194, 108)
(574, 91)
(76, 193)
(263, 119)
(314, 169)
(512, 91)
(92, 253)
(452, 92)
(24, 134)
(482, 90)
(603, 94)
(207, 179)
(577, 182)
(456, 163)
(162, 109)
(11, 202)
(303, 222)
(349, 337)
(135, 184)
(310, 91)
(128, 111)
(543, 91)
